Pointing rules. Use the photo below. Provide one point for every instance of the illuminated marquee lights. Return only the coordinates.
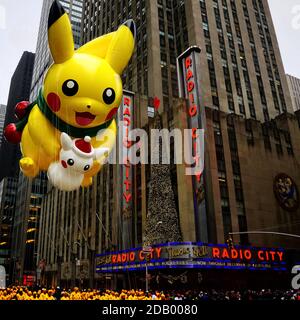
(194, 255)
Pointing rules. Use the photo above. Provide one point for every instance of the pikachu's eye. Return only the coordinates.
(109, 96)
(70, 88)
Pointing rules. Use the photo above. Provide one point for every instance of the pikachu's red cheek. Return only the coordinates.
(53, 101)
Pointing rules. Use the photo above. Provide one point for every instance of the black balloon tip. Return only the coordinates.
(131, 25)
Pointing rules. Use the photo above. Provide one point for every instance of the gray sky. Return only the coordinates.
(19, 22)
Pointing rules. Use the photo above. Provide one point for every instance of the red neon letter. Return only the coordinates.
(272, 253)
(216, 252)
(189, 74)
(127, 122)
(141, 255)
(260, 255)
(194, 133)
(128, 184)
(158, 252)
(225, 254)
(193, 110)
(188, 62)
(127, 196)
(127, 112)
(247, 254)
(191, 86)
(126, 143)
(127, 101)
(280, 254)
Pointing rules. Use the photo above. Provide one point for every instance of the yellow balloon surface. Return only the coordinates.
(81, 93)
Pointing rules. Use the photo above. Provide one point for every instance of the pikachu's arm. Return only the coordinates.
(43, 133)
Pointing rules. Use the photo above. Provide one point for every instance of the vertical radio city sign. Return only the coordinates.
(126, 170)
(188, 68)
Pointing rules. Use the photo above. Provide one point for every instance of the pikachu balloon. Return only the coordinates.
(80, 96)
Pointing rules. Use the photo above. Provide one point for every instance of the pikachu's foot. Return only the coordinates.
(28, 167)
(87, 181)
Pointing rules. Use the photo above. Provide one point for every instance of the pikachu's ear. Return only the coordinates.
(97, 47)
(121, 46)
(60, 36)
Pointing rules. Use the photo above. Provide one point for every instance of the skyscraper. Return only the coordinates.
(294, 87)
(19, 91)
(252, 135)
(10, 154)
(241, 66)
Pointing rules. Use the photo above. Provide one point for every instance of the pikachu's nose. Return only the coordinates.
(88, 106)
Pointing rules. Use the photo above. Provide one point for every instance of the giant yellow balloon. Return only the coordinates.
(80, 96)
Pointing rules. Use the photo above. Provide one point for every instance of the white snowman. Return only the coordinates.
(76, 159)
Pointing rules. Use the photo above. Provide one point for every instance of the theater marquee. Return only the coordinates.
(193, 255)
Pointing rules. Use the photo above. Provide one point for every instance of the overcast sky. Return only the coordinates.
(19, 22)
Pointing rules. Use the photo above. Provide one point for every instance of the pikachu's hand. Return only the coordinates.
(88, 177)
(94, 170)
(86, 182)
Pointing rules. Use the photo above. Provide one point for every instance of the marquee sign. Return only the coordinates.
(193, 255)
(188, 68)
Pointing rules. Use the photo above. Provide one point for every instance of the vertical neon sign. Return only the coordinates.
(188, 68)
(126, 171)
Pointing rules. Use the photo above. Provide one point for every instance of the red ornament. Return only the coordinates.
(12, 134)
(20, 109)
(156, 103)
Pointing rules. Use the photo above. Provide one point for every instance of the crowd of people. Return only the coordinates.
(24, 293)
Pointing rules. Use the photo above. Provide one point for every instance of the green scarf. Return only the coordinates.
(58, 123)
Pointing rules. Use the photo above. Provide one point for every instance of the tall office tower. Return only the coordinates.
(241, 66)
(251, 137)
(30, 192)
(10, 153)
(294, 87)
(19, 91)
(2, 119)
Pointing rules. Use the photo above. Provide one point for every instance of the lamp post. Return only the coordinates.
(146, 252)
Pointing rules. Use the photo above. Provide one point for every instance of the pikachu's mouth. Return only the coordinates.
(84, 118)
